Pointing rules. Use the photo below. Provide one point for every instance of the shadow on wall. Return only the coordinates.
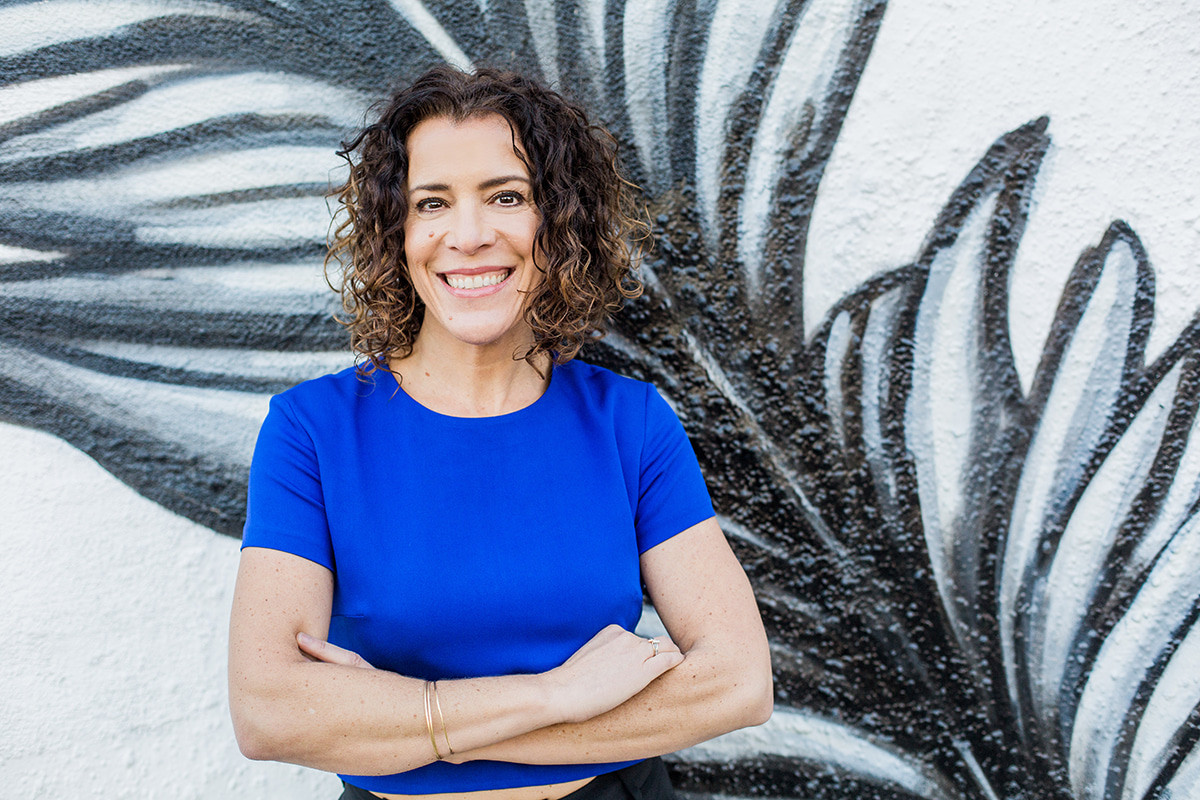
(972, 591)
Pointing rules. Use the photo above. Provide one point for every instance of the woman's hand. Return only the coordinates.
(321, 650)
(612, 667)
(705, 601)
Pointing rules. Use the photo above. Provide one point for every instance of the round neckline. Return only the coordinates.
(508, 416)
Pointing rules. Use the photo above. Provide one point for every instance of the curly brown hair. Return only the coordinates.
(591, 228)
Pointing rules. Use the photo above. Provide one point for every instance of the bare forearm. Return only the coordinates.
(701, 698)
(365, 721)
(338, 713)
(724, 683)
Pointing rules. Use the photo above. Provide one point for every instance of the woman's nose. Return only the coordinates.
(469, 229)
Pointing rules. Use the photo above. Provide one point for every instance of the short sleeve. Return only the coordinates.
(672, 496)
(285, 507)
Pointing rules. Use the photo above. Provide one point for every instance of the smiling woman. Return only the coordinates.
(416, 609)
(514, 147)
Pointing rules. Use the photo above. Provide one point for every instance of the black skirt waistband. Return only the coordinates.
(645, 780)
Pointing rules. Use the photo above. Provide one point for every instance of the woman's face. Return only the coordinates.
(469, 236)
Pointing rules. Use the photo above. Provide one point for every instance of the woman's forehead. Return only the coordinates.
(443, 147)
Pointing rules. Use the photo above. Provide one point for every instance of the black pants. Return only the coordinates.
(646, 780)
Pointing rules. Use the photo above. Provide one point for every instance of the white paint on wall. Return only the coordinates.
(115, 624)
(32, 97)
(1120, 82)
(191, 102)
(32, 25)
(427, 26)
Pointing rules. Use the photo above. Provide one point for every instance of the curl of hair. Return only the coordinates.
(591, 229)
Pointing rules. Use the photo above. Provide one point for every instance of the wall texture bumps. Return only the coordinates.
(923, 295)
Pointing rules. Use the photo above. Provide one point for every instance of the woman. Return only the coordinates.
(444, 550)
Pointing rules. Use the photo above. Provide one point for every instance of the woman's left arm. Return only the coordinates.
(724, 683)
(704, 599)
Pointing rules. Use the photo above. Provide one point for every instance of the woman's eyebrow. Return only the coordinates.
(500, 180)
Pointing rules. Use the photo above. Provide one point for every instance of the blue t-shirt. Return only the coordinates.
(474, 546)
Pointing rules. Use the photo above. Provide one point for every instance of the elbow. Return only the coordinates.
(255, 748)
(759, 712)
(744, 698)
(262, 733)
(255, 740)
(758, 698)
(754, 690)
(261, 743)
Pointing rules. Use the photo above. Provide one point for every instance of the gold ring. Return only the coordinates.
(654, 642)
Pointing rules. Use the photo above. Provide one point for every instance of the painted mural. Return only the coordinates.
(975, 587)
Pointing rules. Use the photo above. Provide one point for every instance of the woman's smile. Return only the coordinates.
(468, 283)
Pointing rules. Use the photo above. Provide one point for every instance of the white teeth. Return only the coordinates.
(475, 281)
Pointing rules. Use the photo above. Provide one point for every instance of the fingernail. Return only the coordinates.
(305, 638)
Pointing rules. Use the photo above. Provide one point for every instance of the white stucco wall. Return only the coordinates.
(1120, 82)
(115, 623)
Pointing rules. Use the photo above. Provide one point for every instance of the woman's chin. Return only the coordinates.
(484, 336)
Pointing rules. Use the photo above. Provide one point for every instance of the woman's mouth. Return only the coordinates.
(475, 281)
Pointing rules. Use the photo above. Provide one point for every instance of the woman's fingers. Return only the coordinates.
(611, 668)
(662, 647)
(322, 650)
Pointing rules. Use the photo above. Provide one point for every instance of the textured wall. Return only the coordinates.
(924, 296)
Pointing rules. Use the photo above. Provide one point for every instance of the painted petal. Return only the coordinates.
(801, 97)
(1131, 660)
(185, 102)
(45, 24)
(945, 403)
(201, 439)
(645, 51)
(272, 370)
(430, 29)
(1175, 698)
(543, 26)
(1185, 785)
(1177, 506)
(230, 289)
(802, 736)
(158, 186)
(857, 348)
(737, 27)
(877, 371)
(837, 349)
(1059, 603)
(31, 98)
(1088, 382)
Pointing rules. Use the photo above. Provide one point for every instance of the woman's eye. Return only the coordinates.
(430, 204)
(509, 199)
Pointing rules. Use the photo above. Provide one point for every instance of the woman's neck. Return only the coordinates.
(470, 381)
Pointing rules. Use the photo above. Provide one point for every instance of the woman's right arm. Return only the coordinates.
(338, 718)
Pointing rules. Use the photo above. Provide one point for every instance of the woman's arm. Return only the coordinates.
(704, 598)
(724, 683)
(340, 718)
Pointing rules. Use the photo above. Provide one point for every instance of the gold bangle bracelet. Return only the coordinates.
(437, 701)
(429, 723)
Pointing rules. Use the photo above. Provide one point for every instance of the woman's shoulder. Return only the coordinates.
(601, 387)
(596, 377)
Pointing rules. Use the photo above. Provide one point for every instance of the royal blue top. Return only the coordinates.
(469, 547)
